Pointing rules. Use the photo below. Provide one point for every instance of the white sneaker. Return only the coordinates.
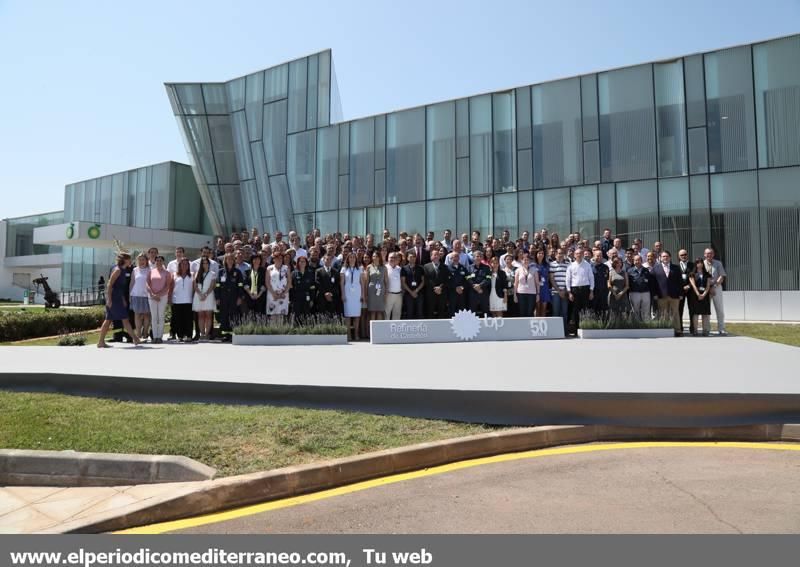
(723, 333)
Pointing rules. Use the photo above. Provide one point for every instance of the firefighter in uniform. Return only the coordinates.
(480, 284)
(457, 286)
(230, 294)
(304, 289)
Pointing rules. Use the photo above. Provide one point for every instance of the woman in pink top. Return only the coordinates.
(158, 281)
(526, 286)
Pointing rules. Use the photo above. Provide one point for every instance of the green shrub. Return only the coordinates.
(16, 326)
(72, 339)
(253, 324)
(625, 320)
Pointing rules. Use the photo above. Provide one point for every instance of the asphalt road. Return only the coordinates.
(637, 490)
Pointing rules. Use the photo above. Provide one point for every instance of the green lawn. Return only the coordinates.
(91, 339)
(234, 439)
(779, 333)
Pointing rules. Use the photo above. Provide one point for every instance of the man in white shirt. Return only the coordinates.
(447, 240)
(204, 253)
(718, 275)
(642, 250)
(464, 258)
(394, 295)
(580, 288)
(172, 268)
(299, 251)
(180, 254)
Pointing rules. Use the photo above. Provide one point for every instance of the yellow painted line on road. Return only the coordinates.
(460, 465)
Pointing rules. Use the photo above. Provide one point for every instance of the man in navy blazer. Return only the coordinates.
(668, 287)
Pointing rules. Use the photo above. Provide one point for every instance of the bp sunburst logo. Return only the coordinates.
(94, 231)
(70, 231)
(465, 325)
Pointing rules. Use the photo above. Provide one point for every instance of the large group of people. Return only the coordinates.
(405, 276)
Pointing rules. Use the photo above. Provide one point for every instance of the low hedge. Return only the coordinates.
(16, 325)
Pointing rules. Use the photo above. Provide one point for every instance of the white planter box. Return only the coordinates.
(289, 339)
(625, 333)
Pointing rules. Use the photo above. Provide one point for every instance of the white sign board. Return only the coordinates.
(466, 326)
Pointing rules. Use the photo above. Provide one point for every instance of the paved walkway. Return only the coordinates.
(643, 490)
(719, 364)
(658, 392)
(29, 509)
(597, 488)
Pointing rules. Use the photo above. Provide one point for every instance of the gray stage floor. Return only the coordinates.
(665, 382)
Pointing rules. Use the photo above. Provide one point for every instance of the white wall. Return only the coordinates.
(10, 291)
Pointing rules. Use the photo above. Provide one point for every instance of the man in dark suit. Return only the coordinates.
(687, 268)
(480, 283)
(606, 243)
(436, 281)
(668, 289)
(457, 288)
(328, 292)
(423, 255)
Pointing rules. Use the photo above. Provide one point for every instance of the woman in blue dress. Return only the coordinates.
(116, 303)
(545, 296)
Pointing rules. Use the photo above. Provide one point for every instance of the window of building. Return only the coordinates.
(777, 77)
(670, 118)
(735, 230)
(440, 149)
(557, 157)
(405, 156)
(480, 145)
(627, 124)
(730, 110)
(362, 162)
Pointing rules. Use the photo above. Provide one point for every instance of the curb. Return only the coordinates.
(22, 467)
(238, 491)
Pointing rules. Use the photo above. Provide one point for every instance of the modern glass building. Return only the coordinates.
(22, 260)
(691, 151)
(162, 197)
(19, 234)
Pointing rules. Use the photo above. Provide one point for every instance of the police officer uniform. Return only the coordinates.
(601, 271)
(458, 278)
(436, 276)
(303, 295)
(414, 280)
(480, 276)
(229, 289)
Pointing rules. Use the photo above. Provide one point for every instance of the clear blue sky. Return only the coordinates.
(82, 81)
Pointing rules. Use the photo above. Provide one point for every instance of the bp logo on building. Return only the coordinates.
(71, 231)
(94, 231)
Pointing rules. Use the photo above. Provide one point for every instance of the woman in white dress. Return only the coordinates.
(497, 303)
(353, 294)
(278, 286)
(204, 302)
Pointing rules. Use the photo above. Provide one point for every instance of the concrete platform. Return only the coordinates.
(707, 381)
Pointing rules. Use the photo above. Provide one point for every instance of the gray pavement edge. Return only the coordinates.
(24, 467)
(237, 491)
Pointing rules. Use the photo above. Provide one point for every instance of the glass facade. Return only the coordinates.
(19, 234)
(691, 151)
(162, 196)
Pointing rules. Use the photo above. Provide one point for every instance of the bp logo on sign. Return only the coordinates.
(94, 231)
(465, 325)
(71, 230)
